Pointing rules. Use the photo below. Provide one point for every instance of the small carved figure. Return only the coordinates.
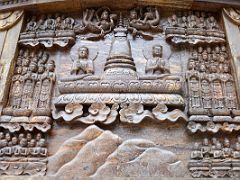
(82, 65)
(21, 136)
(31, 147)
(40, 24)
(27, 94)
(226, 148)
(217, 95)
(16, 89)
(23, 147)
(1, 135)
(218, 153)
(58, 22)
(212, 23)
(157, 65)
(67, 24)
(230, 97)
(196, 153)
(236, 152)
(173, 21)
(205, 149)
(8, 137)
(44, 94)
(191, 64)
(96, 23)
(5, 150)
(139, 22)
(206, 95)
(32, 25)
(42, 146)
(194, 92)
(49, 24)
(14, 145)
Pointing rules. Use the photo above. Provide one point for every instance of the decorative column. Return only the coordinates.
(10, 27)
(231, 19)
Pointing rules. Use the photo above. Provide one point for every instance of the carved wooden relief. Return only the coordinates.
(146, 75)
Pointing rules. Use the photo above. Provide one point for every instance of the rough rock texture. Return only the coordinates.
(95, 153)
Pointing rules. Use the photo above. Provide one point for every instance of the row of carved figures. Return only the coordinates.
(9, 2)
(210, 82)
(22, 145)
(210, 60)
(32, 83)
(193, 19)
(83, 64)
(212, 95)
(216, 149)
(98, 21)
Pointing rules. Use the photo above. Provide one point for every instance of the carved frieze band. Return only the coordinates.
(194, 27)
(216, 158)
(22, 153)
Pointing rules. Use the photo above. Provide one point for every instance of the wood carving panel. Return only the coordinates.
(143, 73)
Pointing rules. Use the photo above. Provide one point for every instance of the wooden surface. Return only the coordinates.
(8, 52)
(70, 5)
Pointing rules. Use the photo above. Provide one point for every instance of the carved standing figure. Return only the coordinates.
(206, 95)
(47, 80)
(16, 89)
(230, 96)
(217, 95)
(194, 92)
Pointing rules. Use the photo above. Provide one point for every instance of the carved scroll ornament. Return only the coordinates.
(133, 113)
(233, 14)
(9, 19)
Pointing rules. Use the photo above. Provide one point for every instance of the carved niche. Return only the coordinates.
(213, 102)
(30, 92)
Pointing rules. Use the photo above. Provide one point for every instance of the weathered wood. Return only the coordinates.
(8, 55)
(95, 89)
(233, 37)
